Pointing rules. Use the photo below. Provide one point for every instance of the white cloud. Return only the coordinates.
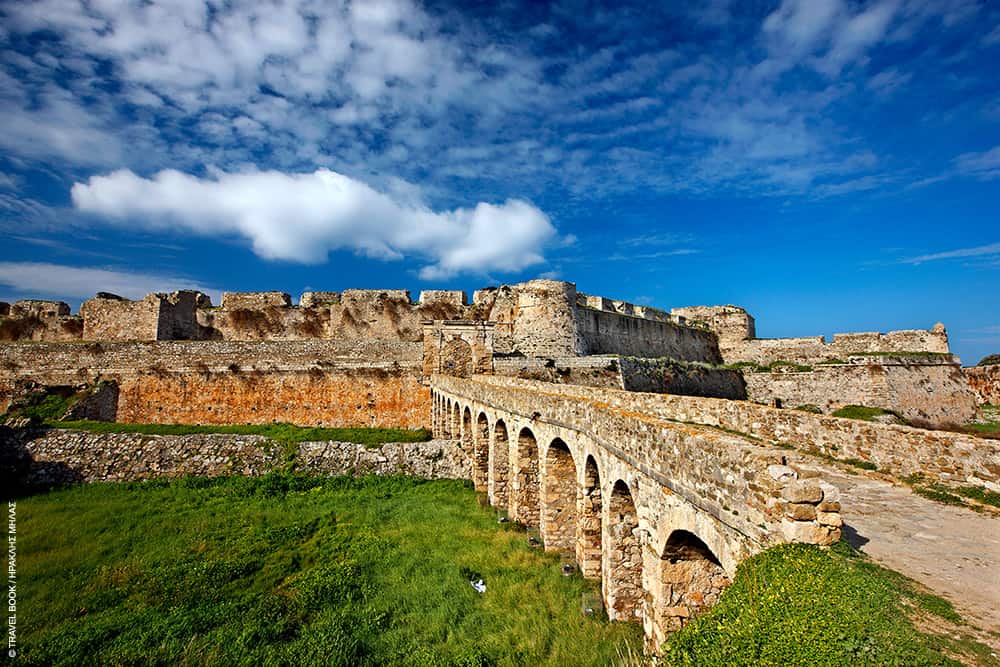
(302, 217)
(984, 166)
(42, 279)
(978, 251)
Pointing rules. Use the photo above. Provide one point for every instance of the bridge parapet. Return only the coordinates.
(895, 449)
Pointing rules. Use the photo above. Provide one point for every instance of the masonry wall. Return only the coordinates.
(736, 331)
(41, 459)
(329, 383)
(899, 450)
(39, 321)
(605, 332)
(985, 383)
(934, 394)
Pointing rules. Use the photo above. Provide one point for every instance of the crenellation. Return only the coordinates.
(454, 298)
(255, 300)
(318, 299)
(43, 310)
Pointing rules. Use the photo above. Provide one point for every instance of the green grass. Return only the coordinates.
(862, 412)
(289, 570)
(372, 437)
(978, 493)
(950, 495)
(801, 605)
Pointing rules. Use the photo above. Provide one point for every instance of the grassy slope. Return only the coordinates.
(289, 570)
(801, 605)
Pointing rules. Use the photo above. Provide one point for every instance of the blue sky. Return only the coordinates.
(829, 165)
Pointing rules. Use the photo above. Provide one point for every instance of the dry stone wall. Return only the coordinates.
(925, 391)
(45, 458)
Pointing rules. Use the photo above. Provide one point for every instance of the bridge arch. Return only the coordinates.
(686, 579)
(467, 440)
(559, 498)
(622, 580)
(524, 497)
(588, 540)
(499, 490)
(481, 453)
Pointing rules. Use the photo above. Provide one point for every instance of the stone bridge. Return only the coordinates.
(660, 511)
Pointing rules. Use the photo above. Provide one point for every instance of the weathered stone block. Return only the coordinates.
(803, 491)
(801, 511)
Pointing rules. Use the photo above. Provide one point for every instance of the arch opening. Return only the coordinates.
(466, 438)
(524, 496)
(499, 466)
(588, 540)
(691, 579)
(622, 582)
(559, 499)
(481, 453)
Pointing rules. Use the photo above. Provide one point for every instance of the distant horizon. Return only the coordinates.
(828, 166)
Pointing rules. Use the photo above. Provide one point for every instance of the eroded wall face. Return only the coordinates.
(985, 383)
(310, 383)
(934, 395)
(329, 398)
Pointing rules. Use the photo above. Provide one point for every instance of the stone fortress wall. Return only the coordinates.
(364, 357)
(738, 342)
(910, 372)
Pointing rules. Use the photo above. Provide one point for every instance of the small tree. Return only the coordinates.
(990, 360)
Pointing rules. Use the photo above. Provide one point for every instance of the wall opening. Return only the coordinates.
(588, 541)
(481, 453)
(559, 504)
(691, 579)
(524, 496)
(499, 466)
(623, 554)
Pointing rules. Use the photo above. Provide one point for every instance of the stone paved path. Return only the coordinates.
(953, 551)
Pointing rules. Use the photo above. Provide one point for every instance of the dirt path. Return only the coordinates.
(953, 551)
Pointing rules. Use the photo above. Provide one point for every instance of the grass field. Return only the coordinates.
(286, 570)
(289, 570)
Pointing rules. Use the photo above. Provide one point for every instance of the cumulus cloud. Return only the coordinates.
(79, 282)
(302, 217)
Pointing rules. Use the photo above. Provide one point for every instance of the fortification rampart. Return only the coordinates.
(899, 450)
(736, 332)
(37, 320)
(318, 383)
(928, 390)
(45, 458)
(629, 373)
